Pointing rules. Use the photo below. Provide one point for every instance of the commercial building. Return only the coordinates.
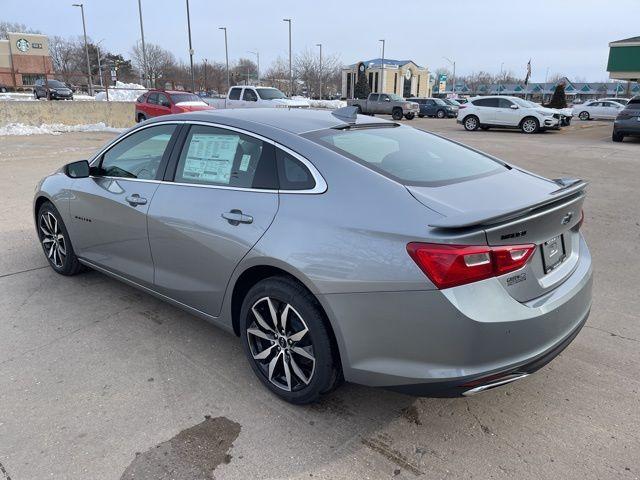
(24, 58)
(403, 77)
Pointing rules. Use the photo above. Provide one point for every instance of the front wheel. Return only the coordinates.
(440, 114)
(471, 123)
(287, 341)
(530, 125)
(55, 241)
(397, 114)
(583, 116)
(410, 116)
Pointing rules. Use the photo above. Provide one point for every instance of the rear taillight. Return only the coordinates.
(578, 225)
(452, 265)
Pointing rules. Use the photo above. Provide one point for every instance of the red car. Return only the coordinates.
(165, 102)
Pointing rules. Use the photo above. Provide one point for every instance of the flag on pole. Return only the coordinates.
(526, 80)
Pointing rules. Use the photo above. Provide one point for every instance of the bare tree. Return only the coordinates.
(307, 71)
(161, 64)
(277, 75)
(6, 27)
(244, 71)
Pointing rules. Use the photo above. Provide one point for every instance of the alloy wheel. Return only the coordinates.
(52, 239)
(280, 344)
(471, 123)
(584, 116)
(529, 126)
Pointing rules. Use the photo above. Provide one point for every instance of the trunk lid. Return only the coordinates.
(512, 208)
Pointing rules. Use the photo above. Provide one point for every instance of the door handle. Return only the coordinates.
(135, 200)
(236, 217)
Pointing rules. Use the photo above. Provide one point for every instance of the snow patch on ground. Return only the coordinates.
(13, 96)
(126, 92)
(328, 104)
(54, 129)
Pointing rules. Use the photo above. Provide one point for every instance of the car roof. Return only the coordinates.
(293, 120)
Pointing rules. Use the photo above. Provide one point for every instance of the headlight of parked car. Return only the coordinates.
(544, 114)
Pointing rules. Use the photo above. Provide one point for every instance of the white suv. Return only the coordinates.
(506, 112)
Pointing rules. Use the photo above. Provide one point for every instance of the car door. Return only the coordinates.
(250, 98)
(233, 100)
(611, 109)
(108, 210)
(384, 104)
(505, 114)
(219, 198)
(486, 110)
(164, 104)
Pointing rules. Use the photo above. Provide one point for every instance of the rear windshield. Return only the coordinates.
(408, 155)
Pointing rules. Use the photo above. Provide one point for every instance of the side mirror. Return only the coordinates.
(79, 169)
(387, 99)
(515, 107)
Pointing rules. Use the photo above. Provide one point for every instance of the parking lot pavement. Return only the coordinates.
(100, 381)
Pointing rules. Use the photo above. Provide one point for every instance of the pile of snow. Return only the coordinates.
(12, 96)
(329, 104)
(83, 97)
(122, 92)
(54, 129)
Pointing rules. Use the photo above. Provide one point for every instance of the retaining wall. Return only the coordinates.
(113, 114)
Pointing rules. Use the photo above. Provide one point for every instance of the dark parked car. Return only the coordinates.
(627, 122)
(52, 90)
(435, 107)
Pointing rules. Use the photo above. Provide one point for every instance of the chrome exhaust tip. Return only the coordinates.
(495, 383)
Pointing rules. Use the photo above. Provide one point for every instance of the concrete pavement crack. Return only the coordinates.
(613, 334)
(23, 271)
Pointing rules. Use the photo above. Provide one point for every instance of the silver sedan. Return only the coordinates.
(338, 247)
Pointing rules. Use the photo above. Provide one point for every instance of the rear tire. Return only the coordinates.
(141, 117)
(440, 114)
(297, 361)
(55, 241)
(617, 137)
(396, 114)
(420, 115)
(584, 116)
(358, 110)
(530, 125)
(471, 123)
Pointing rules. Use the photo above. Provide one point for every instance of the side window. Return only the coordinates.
(293, 174)
(215, 156)
(249, 95)
(486, 102)
(384, 98)
(139, 155)
(152, 98)
(373, 97)
(163, 100)
(504, 103)
(234, 94)
(431, 103)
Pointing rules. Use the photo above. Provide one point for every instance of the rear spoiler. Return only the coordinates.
(568, 187)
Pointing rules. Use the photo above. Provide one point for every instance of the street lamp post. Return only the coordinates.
(257, 54)
(544, 87)
(500, 78)
(226, 54)
(145, 80)
(86, 47)
(205, 76)
(288, 20)
(382, 66)
(99, 64)
(453, 63)
(320, 74)
(193, 78)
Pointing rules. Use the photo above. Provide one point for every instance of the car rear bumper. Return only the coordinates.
(438, 342)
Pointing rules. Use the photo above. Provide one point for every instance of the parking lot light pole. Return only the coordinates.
(145, 80)
(193, 77)
(226, 54)
(382, 66)
(86, 47)
(288, 20)
(453, 63)
(320, 74)
(257, 54)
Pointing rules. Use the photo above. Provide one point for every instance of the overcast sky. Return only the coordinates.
(568, 36)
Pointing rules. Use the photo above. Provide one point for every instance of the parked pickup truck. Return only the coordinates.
(242, 96)
(390, 104)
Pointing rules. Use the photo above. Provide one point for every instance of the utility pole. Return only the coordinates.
(99, 64)
(382, 65)
(320, 76)
(500, 78)
(257, 54)
(452, 62)
(86, 47)
(288, 20)
(205, 77)
(546, 75)
(226, 54)
(145, 79)
(193, 77)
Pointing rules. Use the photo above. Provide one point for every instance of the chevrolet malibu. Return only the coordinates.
(337, 247)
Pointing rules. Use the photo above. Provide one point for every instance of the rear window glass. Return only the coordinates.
(185, 97)
(408, 155)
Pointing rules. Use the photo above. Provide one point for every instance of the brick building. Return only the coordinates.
(24, 58)
(403, 77)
